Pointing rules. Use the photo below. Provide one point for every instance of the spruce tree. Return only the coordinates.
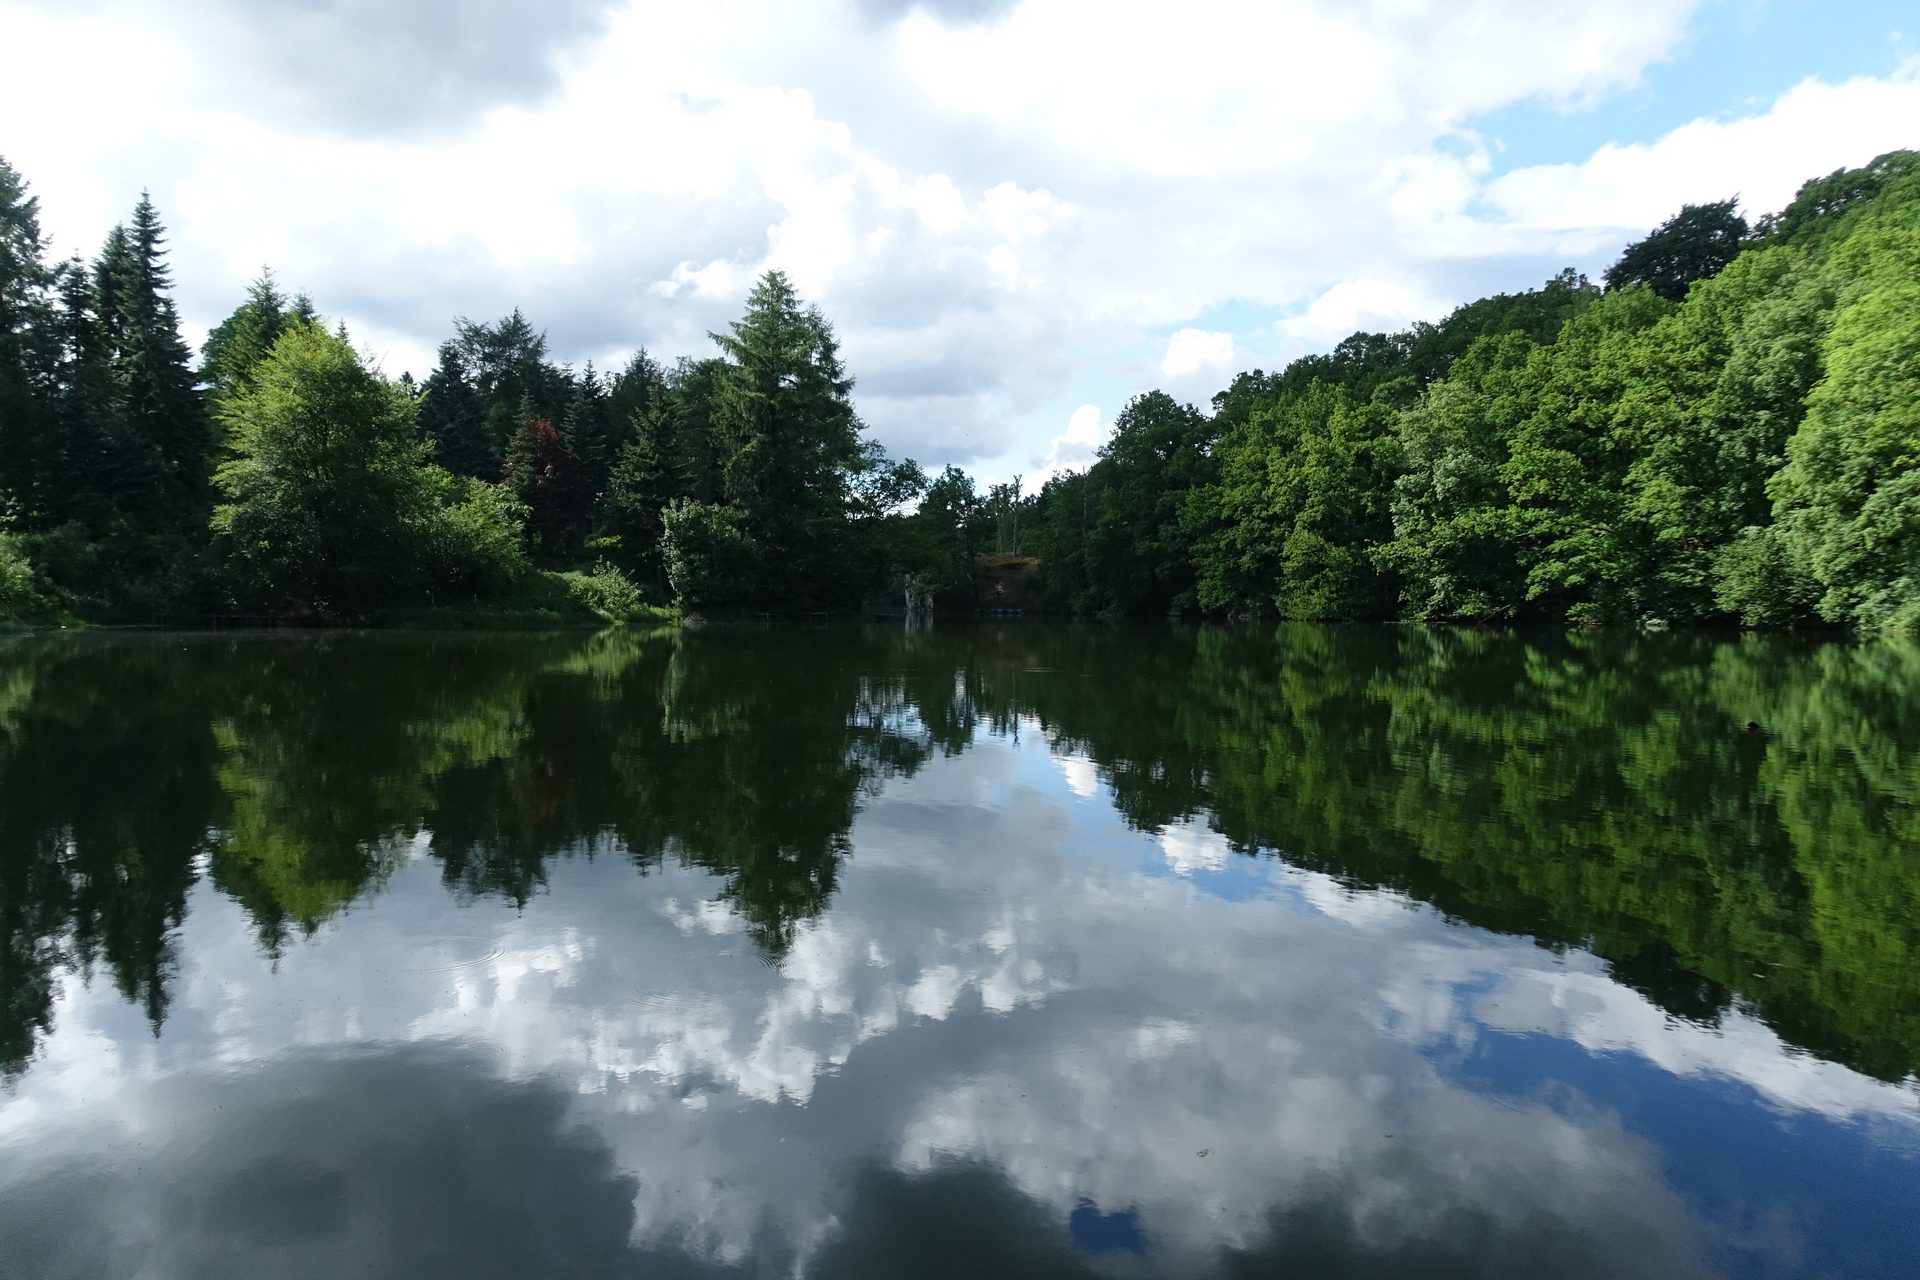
(162, 411)
(587, 433)
(240, 342)
(28, 470)
(784, 419)
(453, 419)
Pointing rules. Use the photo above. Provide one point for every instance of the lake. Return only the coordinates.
(997, 951)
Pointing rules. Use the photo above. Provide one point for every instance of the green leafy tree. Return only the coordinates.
(325, 501)
(241, 341)
(1135, 547)
(1294, 522)
(1848, 499)
(1696, 243)
(1457, 540)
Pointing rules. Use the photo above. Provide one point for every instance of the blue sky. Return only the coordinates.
(1018, 213)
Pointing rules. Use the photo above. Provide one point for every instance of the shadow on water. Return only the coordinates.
(1728, 821)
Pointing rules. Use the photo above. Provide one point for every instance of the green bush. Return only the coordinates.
(711, 561)
(606, 591)
(476, 543)
(23, 596)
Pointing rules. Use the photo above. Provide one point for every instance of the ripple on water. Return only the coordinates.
(453, 953)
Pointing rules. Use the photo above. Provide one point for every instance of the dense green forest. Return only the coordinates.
(1728, 430)
(1590, 789)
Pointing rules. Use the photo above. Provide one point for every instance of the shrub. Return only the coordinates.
(605, 591)
(23, 597)
(711, 561)
(476, 543)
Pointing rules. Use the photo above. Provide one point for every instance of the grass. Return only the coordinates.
(545, 598)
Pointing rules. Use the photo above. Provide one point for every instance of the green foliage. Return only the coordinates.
(783, 419)
(1723, 434)
(240, 342)
(1848, 499)
(476, 542)
(1300, 509)
(1696, 243)
(23, 596)
(711, 560)
(607, 592)
(1113, 538)
(327, 502)
(453, 419)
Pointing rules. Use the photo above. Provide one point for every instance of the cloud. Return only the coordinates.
(1811, 129)
(1355, 305)
(1001, 205)
(1195, 351)
(361, 67)
(1075, 448)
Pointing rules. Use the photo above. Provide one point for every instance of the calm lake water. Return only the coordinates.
(1024, 951)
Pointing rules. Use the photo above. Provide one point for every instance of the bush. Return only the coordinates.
(607, 592)
(711, 561)
(23, 597)
(476, 544)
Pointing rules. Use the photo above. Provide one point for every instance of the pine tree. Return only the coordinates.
(587, 433)
(241, 341)
(784, 419)
(28, 468)
(643, 482)
(162, 410)
(453, 419)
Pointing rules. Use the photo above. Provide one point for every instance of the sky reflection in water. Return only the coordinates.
(1016, 952)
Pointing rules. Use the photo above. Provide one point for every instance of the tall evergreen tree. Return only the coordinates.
(160, 403)
(28, 442)
(588, 433)
(784, 419)
(453, 419)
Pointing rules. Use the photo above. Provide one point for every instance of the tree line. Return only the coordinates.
(1724, 432)
(1721, 432)
(285, 474)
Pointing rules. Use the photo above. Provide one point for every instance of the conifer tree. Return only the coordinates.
(160, 405)
(453, 419)
(241, 341)
(587, 433)
(27, 439)
(785, 424)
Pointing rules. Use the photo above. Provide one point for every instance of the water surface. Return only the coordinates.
(1013, 951)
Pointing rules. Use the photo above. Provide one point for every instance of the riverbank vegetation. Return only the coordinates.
(1722, 431)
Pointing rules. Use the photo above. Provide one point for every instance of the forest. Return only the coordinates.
(1725, 429)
